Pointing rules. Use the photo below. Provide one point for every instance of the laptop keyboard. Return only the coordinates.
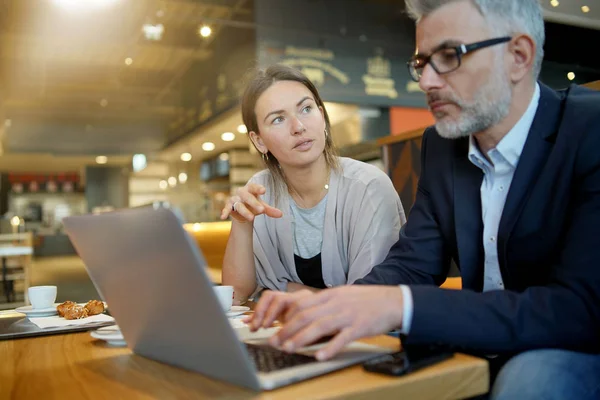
(267, 358)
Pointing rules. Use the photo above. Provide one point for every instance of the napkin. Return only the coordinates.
(55, 321)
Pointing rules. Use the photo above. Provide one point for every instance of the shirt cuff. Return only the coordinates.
(407, 314)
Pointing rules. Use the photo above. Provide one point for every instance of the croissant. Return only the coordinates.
(94, 307)
(76, 312)
(61, 308)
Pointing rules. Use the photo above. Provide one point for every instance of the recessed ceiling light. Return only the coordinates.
(554, 3)
(205, 31)
(182, 177)
(139, 162)
(153, 32)
(208, 146)
(571, 76)
(224, 156)
(228, 136)
(172, 181)
(101, 159)
(7, 122)
(163, 184)
(242, 128)
(186, 157)
(585, 9)
(128, 61)
(103, 103)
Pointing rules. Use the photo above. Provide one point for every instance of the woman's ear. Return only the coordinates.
(258, 142)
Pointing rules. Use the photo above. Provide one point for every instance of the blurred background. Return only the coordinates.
(110, 104)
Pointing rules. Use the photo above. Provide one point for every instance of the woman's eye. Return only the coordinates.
(277, 120)
(306, 109)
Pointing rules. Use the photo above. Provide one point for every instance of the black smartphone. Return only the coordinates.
(410, 359)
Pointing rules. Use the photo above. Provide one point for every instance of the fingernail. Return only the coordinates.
(288, 346)
(320, 355)
(274, 341)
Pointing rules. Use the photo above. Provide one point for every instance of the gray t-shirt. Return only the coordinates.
(307, 228)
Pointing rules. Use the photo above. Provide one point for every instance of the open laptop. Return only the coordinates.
(152, 275)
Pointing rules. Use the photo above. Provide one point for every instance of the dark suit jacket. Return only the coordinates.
(548, 239)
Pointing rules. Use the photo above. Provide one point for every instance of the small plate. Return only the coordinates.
(237, 310)
(110, 334)
(37, 312)
(45, 312)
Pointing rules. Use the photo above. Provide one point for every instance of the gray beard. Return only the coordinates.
(489, 106)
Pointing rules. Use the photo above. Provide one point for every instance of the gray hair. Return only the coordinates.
(505, 17)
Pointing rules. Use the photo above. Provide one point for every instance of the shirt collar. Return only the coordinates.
(511, 145)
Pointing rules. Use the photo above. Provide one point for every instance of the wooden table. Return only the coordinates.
(77, 366)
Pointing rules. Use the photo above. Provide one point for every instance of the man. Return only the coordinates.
(509, 190)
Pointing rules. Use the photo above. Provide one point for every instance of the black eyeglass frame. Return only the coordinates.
(461, 50)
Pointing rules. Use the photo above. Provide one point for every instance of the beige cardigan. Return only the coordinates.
(363, 217)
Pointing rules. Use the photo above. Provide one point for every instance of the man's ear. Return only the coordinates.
(522, 57)
(258, 142)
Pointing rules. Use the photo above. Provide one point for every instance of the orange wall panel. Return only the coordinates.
(405, 119)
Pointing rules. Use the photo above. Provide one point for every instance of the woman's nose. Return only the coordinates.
(297, 126)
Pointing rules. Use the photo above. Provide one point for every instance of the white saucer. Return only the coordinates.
(37, 312)
(237, 310)
(111, 334)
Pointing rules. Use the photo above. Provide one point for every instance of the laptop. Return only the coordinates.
(153, 277)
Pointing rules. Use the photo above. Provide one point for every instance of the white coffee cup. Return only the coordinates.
(225, 295)
(42, 296)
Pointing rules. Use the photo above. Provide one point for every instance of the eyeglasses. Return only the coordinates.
(448, 59)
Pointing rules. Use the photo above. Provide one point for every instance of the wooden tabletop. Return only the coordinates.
(77, 366)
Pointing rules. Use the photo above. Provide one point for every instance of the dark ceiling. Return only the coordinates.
(65, 85)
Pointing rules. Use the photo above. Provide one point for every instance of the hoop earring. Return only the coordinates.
(265, 156)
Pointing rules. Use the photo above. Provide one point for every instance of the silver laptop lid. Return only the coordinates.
(152, 275)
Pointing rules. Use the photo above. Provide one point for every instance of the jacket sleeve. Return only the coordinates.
(419, 256)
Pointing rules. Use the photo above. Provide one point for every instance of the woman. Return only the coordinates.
(311, 219)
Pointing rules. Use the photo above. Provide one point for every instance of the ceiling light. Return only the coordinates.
(139, 162)
(208, 146)
(182, 177)
(554, 3)
(571, 76)
(163, 184)
(153, 32)
(242, 128)
(196, 227)
(128, 61)
(7, 123)
(228, 136)
(186, 157)
(224, 156)
(172, 181)
(205, 31)
(103, 103)
(101, 159)
(585, 9)
(160, 13)
(78, 5)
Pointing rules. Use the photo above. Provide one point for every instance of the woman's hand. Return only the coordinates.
(246, 204)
